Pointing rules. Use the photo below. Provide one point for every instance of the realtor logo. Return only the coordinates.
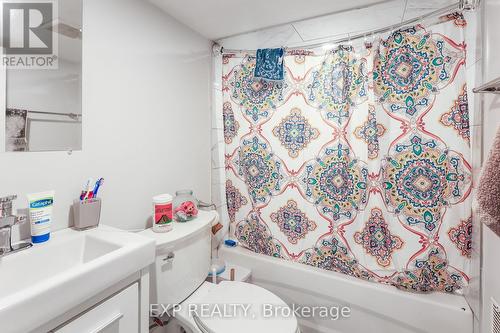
(28, 38)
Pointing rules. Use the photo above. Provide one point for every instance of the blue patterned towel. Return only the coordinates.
(269, 64)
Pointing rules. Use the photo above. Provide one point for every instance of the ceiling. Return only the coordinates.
(335, 25)
(216, 19)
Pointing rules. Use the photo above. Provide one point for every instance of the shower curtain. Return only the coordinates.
(358, 161)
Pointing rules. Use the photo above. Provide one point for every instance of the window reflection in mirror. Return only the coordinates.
(43, 97)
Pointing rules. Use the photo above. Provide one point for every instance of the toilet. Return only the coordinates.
(179, 292)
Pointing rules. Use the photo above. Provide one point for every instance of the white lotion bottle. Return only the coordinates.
(40, 215)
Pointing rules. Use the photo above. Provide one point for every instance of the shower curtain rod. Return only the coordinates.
(459, 6)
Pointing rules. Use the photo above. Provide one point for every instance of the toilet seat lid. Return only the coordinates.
(244, 308)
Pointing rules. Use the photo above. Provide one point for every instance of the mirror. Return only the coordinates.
(43, 76)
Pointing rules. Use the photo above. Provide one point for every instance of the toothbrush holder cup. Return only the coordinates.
(86, 213)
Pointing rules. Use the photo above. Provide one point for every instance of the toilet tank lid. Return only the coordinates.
(181, 230)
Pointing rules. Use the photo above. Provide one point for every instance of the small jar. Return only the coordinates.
(162, 213)
(185, 206)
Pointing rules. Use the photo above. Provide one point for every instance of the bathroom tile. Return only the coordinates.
(434, 4)
(213, 120)
(213, 192)
(218, 191)
(217, 72)
(476, 152)
(473, 38)
(272, 37)
(216, 196)
(474, 107)
(472, 293)
(475, 268)
(224, 217)
(476, 222)
(224, 211)
(411, 13)
(217, 86)
(477, 323)
(319, 40)
(383, 14)
(476, 246)
(217, 148)
(219, 205)
(215, 141)
(217, 118)
(415, 8)
(222, 205)
(490, 37)
(220, 134)
(218, 176)
(490, 120)
(219, 195)
(213, 137)
(222, 184)
(216, 160)
(217, 136)
(217, 154)
(473, 74)
(215, 177)
(217, 99)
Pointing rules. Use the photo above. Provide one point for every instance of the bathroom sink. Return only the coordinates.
(29, 267)
(47, 280)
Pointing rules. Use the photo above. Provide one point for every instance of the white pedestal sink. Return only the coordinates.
(45, 281)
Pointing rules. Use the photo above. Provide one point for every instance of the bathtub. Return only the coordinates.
(374, 308)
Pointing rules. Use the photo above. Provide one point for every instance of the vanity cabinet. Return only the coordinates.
(117, 314)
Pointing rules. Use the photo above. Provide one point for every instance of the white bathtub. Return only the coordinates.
(375, 308)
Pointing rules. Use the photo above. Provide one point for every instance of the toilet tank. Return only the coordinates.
(182, 259)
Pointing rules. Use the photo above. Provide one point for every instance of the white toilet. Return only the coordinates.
(178, 278)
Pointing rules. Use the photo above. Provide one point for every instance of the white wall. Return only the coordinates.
(491, 115)
(146, 98)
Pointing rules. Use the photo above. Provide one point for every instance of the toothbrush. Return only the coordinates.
(84, 190)
(87, 191)
(98, 184)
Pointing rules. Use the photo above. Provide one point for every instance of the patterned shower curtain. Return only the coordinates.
(358, 161)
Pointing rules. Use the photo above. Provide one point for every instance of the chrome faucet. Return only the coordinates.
(7, 220)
